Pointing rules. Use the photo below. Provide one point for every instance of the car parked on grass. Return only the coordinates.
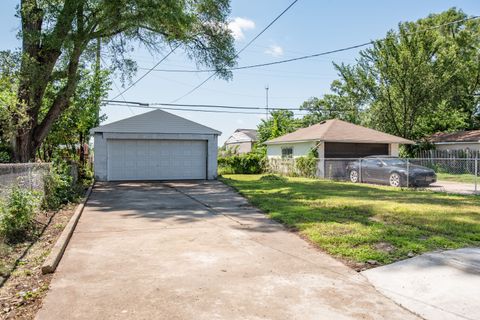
(390, 170)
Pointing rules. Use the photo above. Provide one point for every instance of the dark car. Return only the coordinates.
(390, 170)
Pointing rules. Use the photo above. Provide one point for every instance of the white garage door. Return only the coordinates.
(156, 159)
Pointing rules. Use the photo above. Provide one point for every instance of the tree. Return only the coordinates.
(59, 36)
(416, 81)
(346, 102)
(279, 123)
(72, 129)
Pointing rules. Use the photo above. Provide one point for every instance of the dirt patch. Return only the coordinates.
(384, 247)
(22, 293)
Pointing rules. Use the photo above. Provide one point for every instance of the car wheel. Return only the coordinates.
(395, 180)
(354, 177)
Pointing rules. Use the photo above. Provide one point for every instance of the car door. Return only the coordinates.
(373, 170)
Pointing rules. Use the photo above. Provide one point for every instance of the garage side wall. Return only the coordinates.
(100, 157)
(101, 149)
(212, 146)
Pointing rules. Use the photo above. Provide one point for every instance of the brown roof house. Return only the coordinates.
(242, 140)
(334, 139)
(461, 140)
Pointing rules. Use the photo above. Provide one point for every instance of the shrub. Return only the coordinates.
(18, 213)
(306, 166)
(58, 186)
(248, 163)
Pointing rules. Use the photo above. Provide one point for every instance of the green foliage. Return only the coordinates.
(273, 178)
(4, 156)
(18, 213)
(279, 123)
(306, 166)
(244, 163)
(58, 186)
(70, 34)
(416, 81)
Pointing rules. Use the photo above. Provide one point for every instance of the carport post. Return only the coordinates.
(360, 170)
(408, 173)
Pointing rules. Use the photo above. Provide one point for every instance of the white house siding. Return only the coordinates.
(300, 149)
(240, 147)
(474, 146)
(101, 153)
(394, 149)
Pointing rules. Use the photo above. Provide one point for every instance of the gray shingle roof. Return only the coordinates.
(157, 121)
(338, 131)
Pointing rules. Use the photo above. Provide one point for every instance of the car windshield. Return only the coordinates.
(394, 162)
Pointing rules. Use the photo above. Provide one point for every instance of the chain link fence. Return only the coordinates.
(24, 175)
(455, 175)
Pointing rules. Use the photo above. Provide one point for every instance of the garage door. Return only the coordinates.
(156, 159)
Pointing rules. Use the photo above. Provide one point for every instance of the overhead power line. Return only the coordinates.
(146, 73)
(147, 106)
(310, 56)
(240, 51)
(142, 104)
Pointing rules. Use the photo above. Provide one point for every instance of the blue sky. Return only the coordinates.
(310, 26)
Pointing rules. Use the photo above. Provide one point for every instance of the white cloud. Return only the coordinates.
(239, 25)
(274, 50)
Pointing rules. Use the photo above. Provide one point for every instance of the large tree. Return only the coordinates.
(418, 80)
(279, 122)
(60, 35)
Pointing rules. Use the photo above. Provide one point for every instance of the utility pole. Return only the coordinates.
(266, 100)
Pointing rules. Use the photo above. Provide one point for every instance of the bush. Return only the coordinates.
(306, 166)
(18, 213)
(58, 186)
(249, 163)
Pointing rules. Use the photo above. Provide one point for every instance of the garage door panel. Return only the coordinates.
(156, 159)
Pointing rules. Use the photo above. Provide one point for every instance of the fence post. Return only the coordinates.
(408, 173)
(476, 173)
(360, 170)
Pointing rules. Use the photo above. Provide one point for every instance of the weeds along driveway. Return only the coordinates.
(198, 251)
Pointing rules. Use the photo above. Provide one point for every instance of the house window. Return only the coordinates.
(287, 153)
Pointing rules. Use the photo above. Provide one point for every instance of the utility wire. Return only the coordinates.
(240, 51)
(188, 109)
(310, 55)
(118, 89)
(146, 73)
(171, 106)
(142, 104)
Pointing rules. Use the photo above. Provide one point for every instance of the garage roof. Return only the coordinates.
(338, 131)
(157, 121)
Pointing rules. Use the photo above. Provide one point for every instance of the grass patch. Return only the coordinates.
(465, 178)
(361, 222)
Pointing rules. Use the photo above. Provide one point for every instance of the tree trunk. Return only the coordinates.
(23, 149)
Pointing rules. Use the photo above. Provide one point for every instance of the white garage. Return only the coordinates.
(155, 146)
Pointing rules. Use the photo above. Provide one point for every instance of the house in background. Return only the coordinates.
(468, 141)
(334, 139)
(242, 140)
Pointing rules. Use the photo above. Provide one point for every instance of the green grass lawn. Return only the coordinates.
(359, 222)
(466, 178)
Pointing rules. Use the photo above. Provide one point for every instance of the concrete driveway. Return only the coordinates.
(454, 187)
(199, 251)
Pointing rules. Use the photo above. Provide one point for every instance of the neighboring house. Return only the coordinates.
(156, 145)
(334, 139)
(461, 140)
(242, 140)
